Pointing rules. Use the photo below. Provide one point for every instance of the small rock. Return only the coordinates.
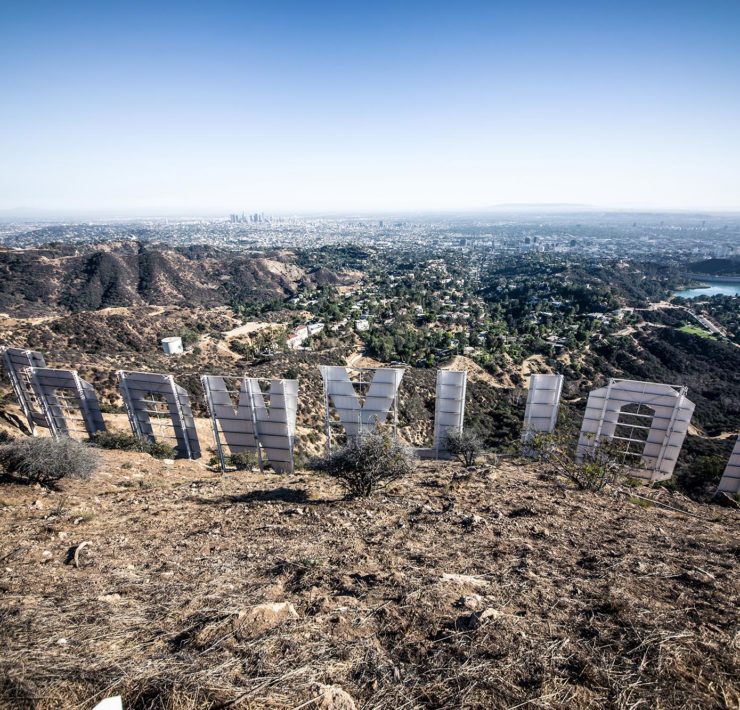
(62, 535)
(168, 462)
(113, 703)
(110, 598)
(38, 504)
(470, 601)
(332, 697)
(263, 617)
(62, 642)
(465, 579)
(46, 553)
(472, 521)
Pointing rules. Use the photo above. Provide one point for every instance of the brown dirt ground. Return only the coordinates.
(573, 600)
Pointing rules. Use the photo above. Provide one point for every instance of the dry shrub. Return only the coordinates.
(602, 466)
(45, 460)
(366, 463)
(465, 445)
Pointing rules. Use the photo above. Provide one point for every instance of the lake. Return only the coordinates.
(716, 288)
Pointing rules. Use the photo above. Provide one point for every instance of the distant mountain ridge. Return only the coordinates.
(66, 279)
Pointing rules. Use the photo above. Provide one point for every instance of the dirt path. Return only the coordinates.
(249, 328)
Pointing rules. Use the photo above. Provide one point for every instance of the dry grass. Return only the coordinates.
(577, 600)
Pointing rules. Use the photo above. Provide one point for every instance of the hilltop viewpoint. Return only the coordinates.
(175, 586)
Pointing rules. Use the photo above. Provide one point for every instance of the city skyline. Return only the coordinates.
(180, 109)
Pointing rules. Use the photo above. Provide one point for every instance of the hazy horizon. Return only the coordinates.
(173, 109)
(521, 213)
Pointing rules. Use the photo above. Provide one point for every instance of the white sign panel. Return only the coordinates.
(730, 482)
(648, 419)
(69, 403)
(356, 416)
(251, 423)
(158, 409)
(449, 405)
(543, 403)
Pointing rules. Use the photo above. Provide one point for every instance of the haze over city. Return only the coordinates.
(182, 108)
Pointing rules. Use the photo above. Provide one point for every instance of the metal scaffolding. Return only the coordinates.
(159, 409)
(244, 418)
(16, 362)
(70, 404)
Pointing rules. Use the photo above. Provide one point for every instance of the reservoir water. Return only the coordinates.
(715, 288)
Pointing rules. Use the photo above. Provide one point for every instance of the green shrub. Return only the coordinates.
(159, 450)
(121, 441)
(244, 461)
(45, 460)
(366, 463)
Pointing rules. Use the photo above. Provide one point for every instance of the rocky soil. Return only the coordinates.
(491, 588)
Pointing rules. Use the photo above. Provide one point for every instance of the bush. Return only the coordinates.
(366, 463)
(600, 467)
(465, 445)
(5, 438)
(121, 441)
(244, 461)
(45, 460)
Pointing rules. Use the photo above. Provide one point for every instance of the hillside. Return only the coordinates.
(39, 281)
(709, 368)
(716, 267)
(485, 592)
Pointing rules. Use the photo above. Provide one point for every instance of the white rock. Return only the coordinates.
(332, 697)
(465, 579)
(490, 613)
(110, 598)
(470, 601)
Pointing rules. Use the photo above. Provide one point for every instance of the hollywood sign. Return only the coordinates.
(650, 420)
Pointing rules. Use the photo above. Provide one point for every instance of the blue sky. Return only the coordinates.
(368, 106)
